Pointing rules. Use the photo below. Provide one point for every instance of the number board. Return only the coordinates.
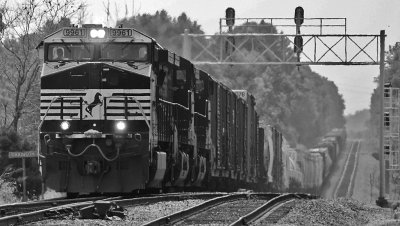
(25, 154)
(116, 33)
(74, 32)
(242, 94)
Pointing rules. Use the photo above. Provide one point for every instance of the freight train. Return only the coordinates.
(120, 113)
(317, 162)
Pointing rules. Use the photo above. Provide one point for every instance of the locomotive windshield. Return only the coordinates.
(70, 51)
(101, 52)
(124, 51)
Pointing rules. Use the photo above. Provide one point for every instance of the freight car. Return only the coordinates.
(278, 161)
(120, 113)
(317, 163)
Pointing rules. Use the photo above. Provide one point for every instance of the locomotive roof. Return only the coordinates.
(82, 34)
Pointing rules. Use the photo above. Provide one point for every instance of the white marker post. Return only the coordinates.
(23, 155)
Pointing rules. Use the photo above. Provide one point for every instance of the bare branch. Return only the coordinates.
(26, 23)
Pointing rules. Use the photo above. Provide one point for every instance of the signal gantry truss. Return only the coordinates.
(326, 42)
(271, 49)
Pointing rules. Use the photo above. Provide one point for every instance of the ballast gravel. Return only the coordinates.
(304, 212)
(341, 211)
(136, 215)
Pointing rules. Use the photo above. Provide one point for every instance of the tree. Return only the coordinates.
(162, 27)
(26, 22)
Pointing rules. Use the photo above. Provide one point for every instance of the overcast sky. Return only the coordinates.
(363, 17)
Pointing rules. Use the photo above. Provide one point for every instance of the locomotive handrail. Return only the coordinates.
(44, 117)
(41, 123)
(201, 115)
(47, 111)
(181, 116)
(138, 103)
(51, 103)
(171, 103)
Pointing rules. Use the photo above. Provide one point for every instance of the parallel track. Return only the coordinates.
(18, 208)
(45, 209)
(234, 209)
(272, 211)
(346, 182)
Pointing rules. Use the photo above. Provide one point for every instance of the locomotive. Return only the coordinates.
(120, 113)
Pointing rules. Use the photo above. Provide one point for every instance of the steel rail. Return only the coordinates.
(70, 208)
(184, 214)
(43, 214)
(8, 209)
(162, 198)
(268, 207)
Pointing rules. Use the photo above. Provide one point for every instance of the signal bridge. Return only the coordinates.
(322, 41)
(257, 42)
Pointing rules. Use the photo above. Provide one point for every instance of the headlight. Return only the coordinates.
(65, 125)
(97, 33)
(121, 125)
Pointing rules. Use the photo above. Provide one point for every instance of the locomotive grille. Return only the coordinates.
(69, 106)
(115, 104)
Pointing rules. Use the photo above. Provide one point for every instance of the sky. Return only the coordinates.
(355, 83)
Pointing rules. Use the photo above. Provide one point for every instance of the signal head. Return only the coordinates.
(299, 16)
(230, 16)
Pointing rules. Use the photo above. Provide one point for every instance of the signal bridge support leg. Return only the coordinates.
(382, 202)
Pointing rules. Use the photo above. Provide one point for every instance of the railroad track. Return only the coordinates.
(233, 209)
(18, 208)
(20, 213)
(346, 182)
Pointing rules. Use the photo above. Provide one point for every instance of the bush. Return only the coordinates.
(11, 169)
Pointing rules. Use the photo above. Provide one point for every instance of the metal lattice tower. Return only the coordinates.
(392, 127)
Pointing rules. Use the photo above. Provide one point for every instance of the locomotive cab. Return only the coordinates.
(96, 109)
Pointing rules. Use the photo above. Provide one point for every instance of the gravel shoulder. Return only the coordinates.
(136, 215)
(336, 212)
(359, 210)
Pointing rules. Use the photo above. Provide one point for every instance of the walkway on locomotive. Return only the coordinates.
(87, 78)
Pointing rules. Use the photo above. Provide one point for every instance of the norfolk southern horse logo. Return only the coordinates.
(95, 102)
